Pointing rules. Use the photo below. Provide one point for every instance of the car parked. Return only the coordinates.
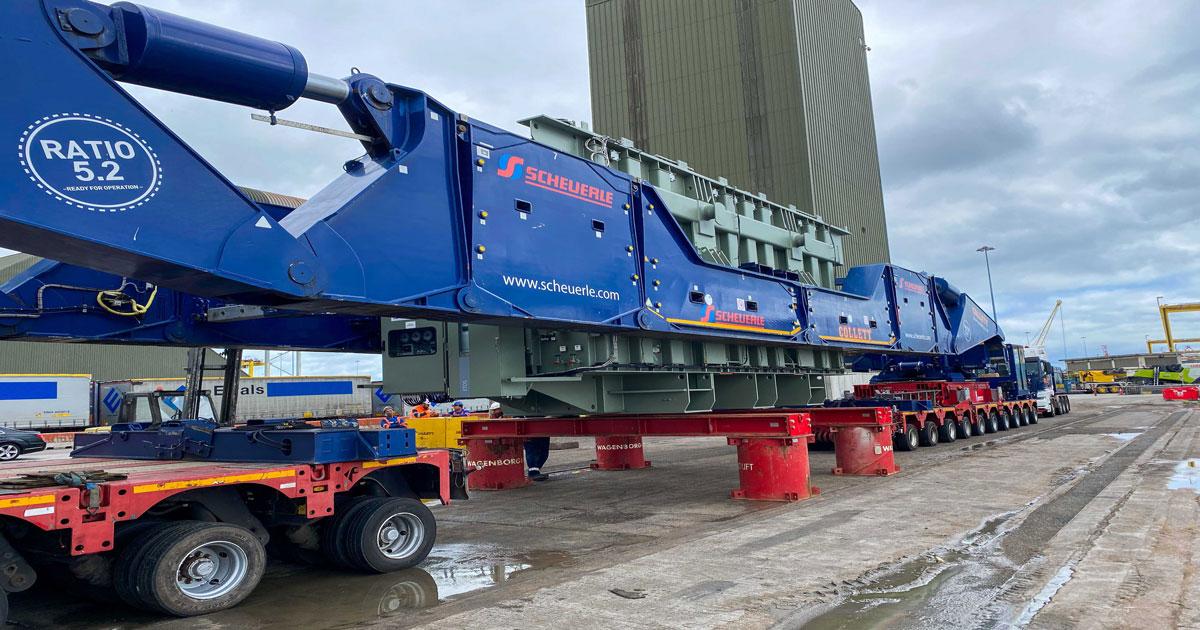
(16, 442)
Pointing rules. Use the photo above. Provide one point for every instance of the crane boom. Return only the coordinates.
(1040, 340)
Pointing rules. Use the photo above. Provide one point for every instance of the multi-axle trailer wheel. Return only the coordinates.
(186, 568)
(189, 568)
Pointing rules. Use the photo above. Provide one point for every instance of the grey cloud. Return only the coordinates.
(1088, 186)
(937, 131)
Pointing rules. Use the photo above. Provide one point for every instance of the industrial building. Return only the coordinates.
(103, 362)
(1125, 361)
(772, 94)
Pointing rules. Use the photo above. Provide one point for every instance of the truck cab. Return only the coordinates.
(161, 406)
(1047, 381)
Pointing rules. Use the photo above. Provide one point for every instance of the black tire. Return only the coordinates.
(3, 607)
(1014, 420)
(1001, 421)
(964, 430)
(333, 532)
(929, 434)
(990, 424)
(412, 529)
(9, 451)
(977, 427)
(909, 440)
(200, 545)
(131, 555)
(948, 432)
(1067, 402)
(1031, 415)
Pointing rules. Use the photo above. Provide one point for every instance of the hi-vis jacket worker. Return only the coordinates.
(391, 420)
(424, 410)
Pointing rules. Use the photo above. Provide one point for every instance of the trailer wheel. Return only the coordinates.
(131, 555)
(192, 568)
(964, 429)
(333, 532)
(390, 535)
(929, 434)
(990, 423)
(977, 426)
(1030, 415)
(948, 432)
(1014, 421)
(1067, 402)
(1001, 421)
(910, 439)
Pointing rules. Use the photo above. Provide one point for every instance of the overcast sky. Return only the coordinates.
(1066, 135)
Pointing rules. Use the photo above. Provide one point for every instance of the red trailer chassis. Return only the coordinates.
(772, 445)
(85, 516)
(89, 516)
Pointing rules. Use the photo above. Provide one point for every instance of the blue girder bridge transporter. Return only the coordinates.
(514, 233)
(100, 183)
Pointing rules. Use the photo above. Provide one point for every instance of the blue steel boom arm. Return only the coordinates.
(510, 230)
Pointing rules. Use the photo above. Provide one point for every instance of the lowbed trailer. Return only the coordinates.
(191, 537)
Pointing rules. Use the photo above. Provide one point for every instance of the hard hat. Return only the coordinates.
(494, 405)
(457, 403)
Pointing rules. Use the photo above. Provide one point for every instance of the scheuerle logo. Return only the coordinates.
(90, 162)
(514, 167)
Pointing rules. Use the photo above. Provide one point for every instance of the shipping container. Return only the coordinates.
(259, 398)
(45, 401)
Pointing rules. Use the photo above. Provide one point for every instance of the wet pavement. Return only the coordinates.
(1075, 522)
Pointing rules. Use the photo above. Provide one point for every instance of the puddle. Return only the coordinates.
(459, 569)
(1044, 596)
(1124, 437)
(295, 596)
(923, 591)
(1186, 476)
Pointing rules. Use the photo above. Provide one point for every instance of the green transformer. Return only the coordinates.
(540, 371)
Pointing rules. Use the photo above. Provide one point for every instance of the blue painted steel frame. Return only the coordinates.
(494, 227)
(54, 301)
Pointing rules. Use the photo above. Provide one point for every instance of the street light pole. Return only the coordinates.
(986, 261)
(1084, 339)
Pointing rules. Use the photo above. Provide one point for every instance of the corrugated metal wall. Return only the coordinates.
(772, 94)
(103, 362)
(841, 125)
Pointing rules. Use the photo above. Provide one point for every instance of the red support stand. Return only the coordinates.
(499, 464)
(864, 450)
(622, 452)
(773, 469)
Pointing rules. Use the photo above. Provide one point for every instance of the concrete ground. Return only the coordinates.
(1086, 520)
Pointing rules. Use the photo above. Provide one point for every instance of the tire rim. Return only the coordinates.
(212, 570)
(400, 535)
(9, 451)
(914, 439)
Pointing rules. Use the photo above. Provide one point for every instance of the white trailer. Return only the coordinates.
(45, 401)
(259, 397)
